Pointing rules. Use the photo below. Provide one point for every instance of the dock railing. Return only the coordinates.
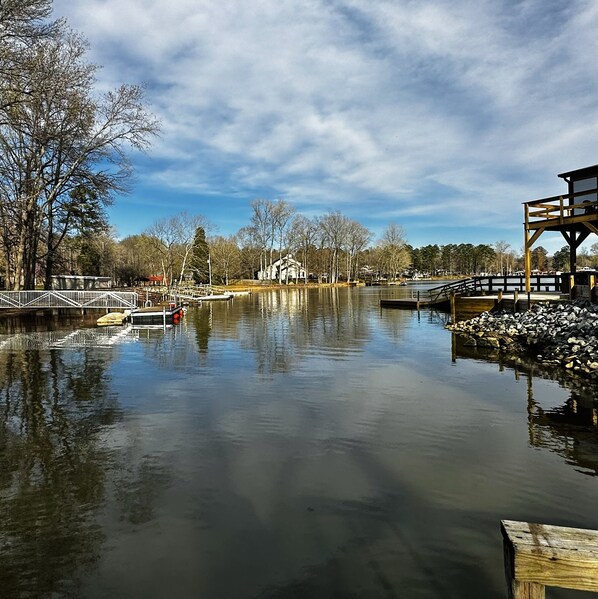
(492, 284)
(68, 299)
(538, 556)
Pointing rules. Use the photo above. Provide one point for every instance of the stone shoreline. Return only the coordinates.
(557, 335)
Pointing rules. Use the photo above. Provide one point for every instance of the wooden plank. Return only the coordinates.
(552, 555)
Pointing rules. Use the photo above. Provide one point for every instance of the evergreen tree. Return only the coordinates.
(201, 255)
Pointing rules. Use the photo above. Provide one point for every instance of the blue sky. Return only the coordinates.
(442, 115)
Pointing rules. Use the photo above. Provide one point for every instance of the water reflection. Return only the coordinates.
(281, 329)
(61, 460)
(569, 429)
(293, 444)
(52, 467)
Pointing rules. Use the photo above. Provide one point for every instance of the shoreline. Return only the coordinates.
(556, 336)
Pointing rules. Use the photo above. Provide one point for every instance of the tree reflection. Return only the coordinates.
(52, 467)
(284, 327)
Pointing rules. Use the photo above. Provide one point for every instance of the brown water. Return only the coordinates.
(286, 444)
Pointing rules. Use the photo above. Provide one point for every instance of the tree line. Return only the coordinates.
(185, 248)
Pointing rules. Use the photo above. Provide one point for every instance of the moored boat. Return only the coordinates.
(157, 315)
(113, 318)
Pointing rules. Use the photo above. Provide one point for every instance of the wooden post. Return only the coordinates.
(515, 300)
(417, 304)
(571, 286)
(527, 250)
(453, 307)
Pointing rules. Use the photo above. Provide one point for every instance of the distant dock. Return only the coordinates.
(469, 297)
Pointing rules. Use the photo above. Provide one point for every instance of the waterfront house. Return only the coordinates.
(284, 269)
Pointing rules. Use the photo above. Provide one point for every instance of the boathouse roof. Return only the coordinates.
(580, 173)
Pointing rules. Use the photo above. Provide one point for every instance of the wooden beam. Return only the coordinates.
(527, 260)
(534, 237)
(539, 555)
(583, 235)
(592, 228)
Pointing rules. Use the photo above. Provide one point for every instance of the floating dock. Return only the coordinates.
(157, 315)
(411, 303)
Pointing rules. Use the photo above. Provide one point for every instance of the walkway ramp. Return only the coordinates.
(67, 299)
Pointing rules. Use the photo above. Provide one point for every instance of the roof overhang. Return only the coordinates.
(580, 173)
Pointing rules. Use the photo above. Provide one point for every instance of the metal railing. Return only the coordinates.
(68, 299)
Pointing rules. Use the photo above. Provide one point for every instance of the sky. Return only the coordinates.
(442, 116)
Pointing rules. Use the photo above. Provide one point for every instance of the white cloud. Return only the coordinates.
(339, 101)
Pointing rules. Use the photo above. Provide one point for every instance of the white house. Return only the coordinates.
(287, 269)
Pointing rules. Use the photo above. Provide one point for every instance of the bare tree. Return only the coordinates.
(393, 250)
(225, 256)
(251, 251)
(303, 235)
(61, 148)
(282, 212)
(163, 236)
(334, 227)
(262, 229)
(502, 250)
(357, 238)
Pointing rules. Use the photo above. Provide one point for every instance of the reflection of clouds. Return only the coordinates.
(370, 464)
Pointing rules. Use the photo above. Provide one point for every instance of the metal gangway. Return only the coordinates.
(68, 299)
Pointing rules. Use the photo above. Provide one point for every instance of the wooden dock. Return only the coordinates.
(467, 306)
(411, 303)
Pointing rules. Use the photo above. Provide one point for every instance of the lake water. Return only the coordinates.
(286, 444)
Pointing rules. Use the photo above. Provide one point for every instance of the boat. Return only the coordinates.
(113, 318)
(216, 296)
(157, 315)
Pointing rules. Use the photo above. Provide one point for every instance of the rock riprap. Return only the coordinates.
(555, 334)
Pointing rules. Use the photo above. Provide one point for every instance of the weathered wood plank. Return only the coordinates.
(552, 555)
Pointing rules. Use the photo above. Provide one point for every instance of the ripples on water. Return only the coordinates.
(287, 444)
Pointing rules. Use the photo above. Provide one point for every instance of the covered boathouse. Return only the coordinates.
(574, 215)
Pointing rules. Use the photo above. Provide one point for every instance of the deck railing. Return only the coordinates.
(485, 284)
(68, 299)
(563, 207)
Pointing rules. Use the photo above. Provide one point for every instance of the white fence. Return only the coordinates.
(68, 299)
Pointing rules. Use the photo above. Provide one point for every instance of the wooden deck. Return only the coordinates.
(469, 306)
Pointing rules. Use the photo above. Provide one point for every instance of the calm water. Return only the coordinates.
(286, 444)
